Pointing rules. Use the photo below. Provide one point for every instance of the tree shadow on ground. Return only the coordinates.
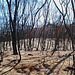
(21, 68)
(27, 68)
(15, 64)
(52, 69)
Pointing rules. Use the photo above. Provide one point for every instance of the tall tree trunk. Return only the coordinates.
(14, 42)
(30, 37)
(19, 49)
(24, 45)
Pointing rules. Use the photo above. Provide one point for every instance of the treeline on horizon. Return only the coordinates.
(47, 31)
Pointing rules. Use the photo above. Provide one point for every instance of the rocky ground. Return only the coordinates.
(37, 63)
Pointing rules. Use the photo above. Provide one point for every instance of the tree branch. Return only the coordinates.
(57, 7)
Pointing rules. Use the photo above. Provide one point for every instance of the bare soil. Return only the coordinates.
(37, 63)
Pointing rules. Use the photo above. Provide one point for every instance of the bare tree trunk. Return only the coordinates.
(19, 50)
(14, 46)
(18, 39)
(30, 41)
(33, 38)
(14, 40)
(38, 40)
(24, 45)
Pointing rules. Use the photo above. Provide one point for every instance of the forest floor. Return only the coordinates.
(37, 63)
